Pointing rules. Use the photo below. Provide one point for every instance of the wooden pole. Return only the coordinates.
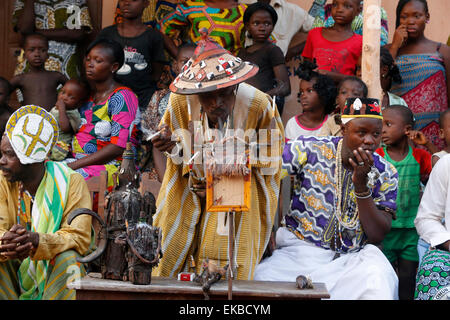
(230, 253)
(370, 65)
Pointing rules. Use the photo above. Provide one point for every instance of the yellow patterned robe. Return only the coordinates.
(187, 229)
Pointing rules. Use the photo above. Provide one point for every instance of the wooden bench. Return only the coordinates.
(92, 287)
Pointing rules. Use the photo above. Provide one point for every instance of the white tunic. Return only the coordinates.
(365, 274)
(435, 205)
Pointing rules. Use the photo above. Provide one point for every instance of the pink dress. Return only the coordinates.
(111, 121)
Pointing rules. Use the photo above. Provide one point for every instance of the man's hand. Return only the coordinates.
(199, 189)
(18, 243)
(163, 142)
(361, 168)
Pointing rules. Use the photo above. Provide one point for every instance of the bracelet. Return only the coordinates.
(363, 195)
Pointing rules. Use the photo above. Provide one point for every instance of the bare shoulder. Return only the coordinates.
(17, 80)
(445, 51)
(57, 77)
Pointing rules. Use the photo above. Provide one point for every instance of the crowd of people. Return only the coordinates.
(368, 178)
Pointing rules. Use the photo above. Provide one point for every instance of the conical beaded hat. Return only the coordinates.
(211, 68)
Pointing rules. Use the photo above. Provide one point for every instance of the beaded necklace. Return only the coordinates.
(344, 220)
(21, 209)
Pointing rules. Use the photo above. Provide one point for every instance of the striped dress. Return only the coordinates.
(424, 89)
(187, 229)
(226, 26)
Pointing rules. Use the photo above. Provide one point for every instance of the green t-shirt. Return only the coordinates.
(410, 170)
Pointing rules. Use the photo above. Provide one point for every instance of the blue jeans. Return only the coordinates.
(422, 247)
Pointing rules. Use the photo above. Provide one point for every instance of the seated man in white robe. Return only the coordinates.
(342, 206)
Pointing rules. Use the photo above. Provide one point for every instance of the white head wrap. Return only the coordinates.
(32, 132)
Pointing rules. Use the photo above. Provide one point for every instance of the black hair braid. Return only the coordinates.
(324, 85)
(387, 60)
(306, 69)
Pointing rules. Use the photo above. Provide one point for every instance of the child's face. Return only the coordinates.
(348, 89)
(4, 94)
(182, 57)
(132, 8)
(36, 51)
(71, 94)
(344, 11)
(308, 96)
(394, 128)
(444, 132)
(260, 26)
(414, 17)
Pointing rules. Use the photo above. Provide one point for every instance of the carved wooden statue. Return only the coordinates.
(129, 245)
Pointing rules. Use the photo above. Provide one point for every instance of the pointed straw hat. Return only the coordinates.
(211, 68)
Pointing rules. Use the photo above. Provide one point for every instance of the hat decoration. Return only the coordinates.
(211, 68)
(32, 132)
(361, 108)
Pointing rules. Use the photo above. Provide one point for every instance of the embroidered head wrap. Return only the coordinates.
(32, 132)
(361, 108)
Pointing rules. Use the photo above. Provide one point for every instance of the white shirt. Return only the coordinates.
(435, 205)
(295, 129)
(291, 19)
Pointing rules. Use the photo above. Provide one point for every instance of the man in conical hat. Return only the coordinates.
(208, 94)
(341, 208)
(38, 247)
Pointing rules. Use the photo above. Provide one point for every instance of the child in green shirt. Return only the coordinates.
(413, 166)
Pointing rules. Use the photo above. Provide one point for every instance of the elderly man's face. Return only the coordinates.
(218, 104)
(10, 164)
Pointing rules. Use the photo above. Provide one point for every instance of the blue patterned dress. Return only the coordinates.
(311, 216)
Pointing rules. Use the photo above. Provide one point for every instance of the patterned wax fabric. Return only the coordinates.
(311, 215)
(112, 121)
(323, 18)
(225, 26)
(188, 228)
(433, 276)
(57, 14)
(424, 89)
(155, 111)
(153, 14)
(32, 132)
